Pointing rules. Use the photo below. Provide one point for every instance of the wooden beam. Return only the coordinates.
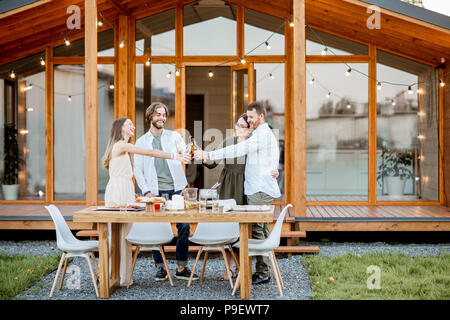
(441, 138)
(251, 84)
(299, 109)
(119, 7)
(372, 139)
(122, 67)
(23, 8)
(338, 59)
(131, 71)
(288, 145)
(91, 102)
(49, 172)
(240, 36)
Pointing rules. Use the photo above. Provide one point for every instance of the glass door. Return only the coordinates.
(242, 90)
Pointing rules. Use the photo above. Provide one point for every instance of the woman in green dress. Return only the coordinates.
(232, 176)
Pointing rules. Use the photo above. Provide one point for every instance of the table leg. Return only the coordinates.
(103, 259)
(245, 267)
(115, 257)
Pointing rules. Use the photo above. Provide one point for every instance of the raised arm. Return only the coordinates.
(131, 148)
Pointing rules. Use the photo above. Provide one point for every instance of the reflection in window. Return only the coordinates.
(157, 34)
(270, 90)
(22, 130)
(209, 29)
(407, 130)
(105, 118)
(336, 133)
(321, 43)
(105, 46)
(260, 27)
(153, 84)
(69, 133)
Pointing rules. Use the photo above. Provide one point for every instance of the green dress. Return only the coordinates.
(232, 176)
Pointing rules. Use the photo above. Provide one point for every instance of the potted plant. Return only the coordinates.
(394, 169)
(10, 179)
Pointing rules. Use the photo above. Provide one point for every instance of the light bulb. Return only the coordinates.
(268, 45)
(24, 131)
(312, 81)
(410, 91)
(30, 109)
(393, 102)
(379, 85)
(100, 23)
(169, 74)
(122, 44)
(242, 61)
(328, 95)
(42, 61)
(420, 137)
(69, 98)
(441, 83)
(271, 76)
(177, 73)
(347, 73)
(147, 63)
(67, 42)
(420, 113)
(12, 74)
(324, 51)
(291, 24)
(210, 74)
(349, 106)
(28, 87)
(111, 86)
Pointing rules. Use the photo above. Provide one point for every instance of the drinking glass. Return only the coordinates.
(123, 206)
(202, 200)
(190, 198)
(215, 201)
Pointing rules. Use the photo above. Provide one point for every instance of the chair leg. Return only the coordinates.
(271, 257)
(163, 255)
(278, 270)
(63, 274)
(57, 273)
(204, 265)
(94, 280)
(95, 263)
(236, 262)
(237, 283)
(199, 253)
(136, 252)
(230, 275)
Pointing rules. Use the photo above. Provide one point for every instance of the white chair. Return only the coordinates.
(215, 236)
(71, 247)
(265, 248)
(150, 236)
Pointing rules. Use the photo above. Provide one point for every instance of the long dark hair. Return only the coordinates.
(245, 117)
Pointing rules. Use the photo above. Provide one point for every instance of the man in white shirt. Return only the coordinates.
(156, 177)
(259, 186)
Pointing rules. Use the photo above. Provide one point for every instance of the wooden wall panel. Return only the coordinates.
(445, 102)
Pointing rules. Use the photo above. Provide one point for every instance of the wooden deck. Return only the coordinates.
(318, 218)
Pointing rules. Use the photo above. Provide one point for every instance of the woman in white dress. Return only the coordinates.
(120, 188)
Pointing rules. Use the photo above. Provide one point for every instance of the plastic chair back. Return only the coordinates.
(152, 231)
(273, 240)
(64, 236)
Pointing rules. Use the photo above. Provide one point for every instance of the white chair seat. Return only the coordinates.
(212, 241)
(146, 241)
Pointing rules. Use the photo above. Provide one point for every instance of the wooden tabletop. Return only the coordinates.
(91, 215)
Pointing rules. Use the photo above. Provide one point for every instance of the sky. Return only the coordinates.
(441, 6)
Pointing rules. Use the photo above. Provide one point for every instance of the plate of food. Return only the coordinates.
(152, 199)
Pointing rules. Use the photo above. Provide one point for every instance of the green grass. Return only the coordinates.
(402, 277)
(19, 272)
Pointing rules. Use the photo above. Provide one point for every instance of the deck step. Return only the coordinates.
(297, 249)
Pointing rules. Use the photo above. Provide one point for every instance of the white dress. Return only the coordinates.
(120, 189)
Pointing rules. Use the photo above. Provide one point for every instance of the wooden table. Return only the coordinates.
(109, 284)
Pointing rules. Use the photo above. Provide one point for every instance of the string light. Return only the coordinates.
(324, 51)
(328, 95)
(177, 73)
(111, 86)
(379, 85)
(42, 62)
(100, 23)
(12, 74)
(69, 98)
(169, 74)
(30, 109)
(421, 113)
(393, 102)
(312, 81)
(122, 44)
(291, 23)
(24, 131)
(268, 45)
(441, 83)
(410, 91)
(349, 106)
(271, 76)
(347, 73)
(242, 60)
(29, 87)
(67, 42)
(420, 137)
(210, 74)
(147, 63)
(419, 91)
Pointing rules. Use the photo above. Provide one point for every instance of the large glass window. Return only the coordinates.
(260, 27)
(336, 132)
(321, 43)
(155, 83)
(407, 130)
(156, 34)
(22, 129)
(69, 133)
(209, 28)
(270, 90)
(105, 118)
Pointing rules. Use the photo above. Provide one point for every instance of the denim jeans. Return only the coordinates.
(182, 249)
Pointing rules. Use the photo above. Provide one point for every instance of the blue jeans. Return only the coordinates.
(182, 250)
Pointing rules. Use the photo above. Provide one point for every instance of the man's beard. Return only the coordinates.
(156, 125)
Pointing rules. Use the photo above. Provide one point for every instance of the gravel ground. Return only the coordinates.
(144, 287)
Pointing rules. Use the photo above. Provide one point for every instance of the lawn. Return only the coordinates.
(401, 277)
(19, 272)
